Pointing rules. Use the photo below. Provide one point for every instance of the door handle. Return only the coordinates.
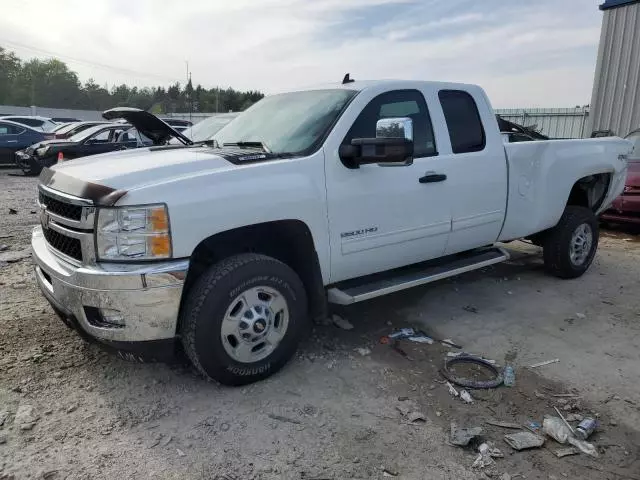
(432, 177)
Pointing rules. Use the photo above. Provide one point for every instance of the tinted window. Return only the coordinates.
(32, 122)
(400, 103)
(8, 129)
(463, 121)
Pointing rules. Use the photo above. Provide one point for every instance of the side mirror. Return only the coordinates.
(393, 145)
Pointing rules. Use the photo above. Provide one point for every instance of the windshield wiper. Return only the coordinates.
(247, 144)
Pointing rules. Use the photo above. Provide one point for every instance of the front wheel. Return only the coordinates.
(570, 246)
(244, 318)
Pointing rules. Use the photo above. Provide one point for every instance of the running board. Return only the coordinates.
(384, 283)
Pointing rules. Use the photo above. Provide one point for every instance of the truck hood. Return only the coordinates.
(131, 169)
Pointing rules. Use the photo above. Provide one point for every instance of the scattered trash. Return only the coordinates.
(342, 323)
(462, 436)
(414, 417)
(556, 429)
(462, 354)
(363, 351)
(505, 476)
(464, 395)
(524, 440)
(180, 453)
(565, 452)
(470, 309)
(411, 335)
(452, 390)
(403, 409)
(565, 422)
(387, 472)
(533, 426)
(4, 247)
(282, 418)
(486, 455)
(585, 447)
(497, 423)
(547, 362)
(469, 382)
(509, 375)
(581, 316)
(166, 441)
(586, 428)
(13, 211)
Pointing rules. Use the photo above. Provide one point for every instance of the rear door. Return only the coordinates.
(476, 169)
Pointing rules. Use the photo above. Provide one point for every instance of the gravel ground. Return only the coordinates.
(340, 410)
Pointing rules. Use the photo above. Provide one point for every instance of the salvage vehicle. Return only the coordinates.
(227, 248)
(626, 208)
(43, 124)
(68, 130)
(91, 141)
(16, 136)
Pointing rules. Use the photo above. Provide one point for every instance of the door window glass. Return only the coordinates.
(399, 103)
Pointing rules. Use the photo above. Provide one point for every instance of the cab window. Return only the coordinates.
(399, 103)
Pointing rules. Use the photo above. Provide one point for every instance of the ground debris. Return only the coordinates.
(498, 423)
(342, 323)
(363, 352)
(462, 436)
(282, 418)
(564, 452)
(523, 440)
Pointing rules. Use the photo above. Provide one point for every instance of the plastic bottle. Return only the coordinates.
(509, 375)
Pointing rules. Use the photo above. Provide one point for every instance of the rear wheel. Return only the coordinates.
(570, 246)
(244, 318)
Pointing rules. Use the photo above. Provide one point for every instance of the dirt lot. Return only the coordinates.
(333, 412)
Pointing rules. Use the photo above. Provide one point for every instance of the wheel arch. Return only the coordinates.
(289, 241)
(590, 191)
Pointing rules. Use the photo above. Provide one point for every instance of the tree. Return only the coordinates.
(49, 83)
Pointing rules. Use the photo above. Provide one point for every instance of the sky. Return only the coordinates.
(524, 53)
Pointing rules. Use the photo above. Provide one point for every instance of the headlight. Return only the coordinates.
(133, 233)
(42, 151)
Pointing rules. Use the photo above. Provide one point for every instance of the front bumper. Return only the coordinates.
(146, 295)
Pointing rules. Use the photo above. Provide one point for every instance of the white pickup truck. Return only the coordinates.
(327, 195)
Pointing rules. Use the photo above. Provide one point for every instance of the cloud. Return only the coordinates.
(524, 53)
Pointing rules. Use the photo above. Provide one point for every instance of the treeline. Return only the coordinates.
(50, 83)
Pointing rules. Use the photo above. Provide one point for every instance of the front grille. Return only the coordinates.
(67, 245)
(63, 209)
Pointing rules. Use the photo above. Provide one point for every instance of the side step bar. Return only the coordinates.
(401, 279)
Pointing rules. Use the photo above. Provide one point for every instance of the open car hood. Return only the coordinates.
(147, 124)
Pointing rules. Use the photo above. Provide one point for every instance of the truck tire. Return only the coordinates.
(570, 246)
(244, 318)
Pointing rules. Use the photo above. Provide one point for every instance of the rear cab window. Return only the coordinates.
(461, 114)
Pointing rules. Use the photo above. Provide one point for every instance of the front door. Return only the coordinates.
(383, 217)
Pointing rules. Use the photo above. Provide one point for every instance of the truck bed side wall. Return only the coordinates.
(542, 174)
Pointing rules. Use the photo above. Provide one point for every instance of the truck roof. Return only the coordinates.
(388, 84)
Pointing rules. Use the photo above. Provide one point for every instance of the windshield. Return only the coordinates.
(208, 127)
(288, 123)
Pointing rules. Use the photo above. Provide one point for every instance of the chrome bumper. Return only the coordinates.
(146, 295)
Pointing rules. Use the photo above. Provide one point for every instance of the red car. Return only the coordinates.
(626, 208)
